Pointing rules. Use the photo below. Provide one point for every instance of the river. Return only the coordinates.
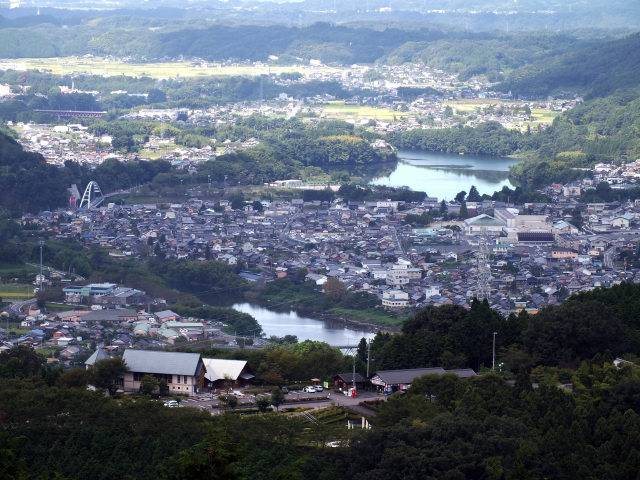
(290, 323)
(443, 175)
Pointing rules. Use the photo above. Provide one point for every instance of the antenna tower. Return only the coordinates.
(483, 279)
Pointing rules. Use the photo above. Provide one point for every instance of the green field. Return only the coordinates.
(10, 270)
(339, 110)
(16, 291)
(100, 66)
(540, 116)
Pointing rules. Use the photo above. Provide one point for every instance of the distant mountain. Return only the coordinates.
(472, 15)
(595, 71)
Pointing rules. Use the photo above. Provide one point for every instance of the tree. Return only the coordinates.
(229, 400)
(334, 289)
(257, 206)
(262, 403)
(106, 373)
(362, 350)
(164, 388)
(237, 200)
(149, 384)
(213, 459)
(156, 96)
(75, 377)
(474, 195)
(464, 213)
(277, 398)
(460, 196)
(443, 208)
(20, 361)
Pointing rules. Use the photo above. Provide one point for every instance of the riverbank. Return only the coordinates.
(355, 311)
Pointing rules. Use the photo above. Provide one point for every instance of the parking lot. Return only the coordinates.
(292, 398)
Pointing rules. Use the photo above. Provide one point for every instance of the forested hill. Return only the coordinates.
(597, 71)
(463, 52)
(29, 184)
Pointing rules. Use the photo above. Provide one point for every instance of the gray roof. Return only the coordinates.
(462, 372)
(348, 377)
(174, 363)
(99, 354)
(395, 377)
(107, 315)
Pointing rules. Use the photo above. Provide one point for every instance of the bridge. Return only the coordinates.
(72, 113)
(92, 196)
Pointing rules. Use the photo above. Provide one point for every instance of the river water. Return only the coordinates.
(443, 175)
(290, 323)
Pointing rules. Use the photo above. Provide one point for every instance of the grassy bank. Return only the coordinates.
(358, 308)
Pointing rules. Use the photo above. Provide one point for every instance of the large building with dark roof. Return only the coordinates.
(391, 381)
(183, 372)
(536, 238)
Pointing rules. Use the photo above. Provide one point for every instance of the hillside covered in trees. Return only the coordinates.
(147, 37)
(569, 411)
(597, 70)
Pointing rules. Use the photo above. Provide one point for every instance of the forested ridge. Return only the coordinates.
(463, 52)
(598, 70)
(22, 174)
(603, 320)
(569, 412)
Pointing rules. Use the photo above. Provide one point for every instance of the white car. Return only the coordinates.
(171, 403)
(309, 389)
(319, 388)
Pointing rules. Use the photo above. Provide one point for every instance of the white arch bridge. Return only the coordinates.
(92, 196)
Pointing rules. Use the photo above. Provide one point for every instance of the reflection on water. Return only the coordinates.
(491, 176)
(444, 175)
(290, 323)
(350, 172)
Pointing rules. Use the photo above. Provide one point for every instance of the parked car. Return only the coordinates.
(309, 389)
(319, 388)
(171, 403)
(284, 389)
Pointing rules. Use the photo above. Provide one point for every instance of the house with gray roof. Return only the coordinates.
(391, 381)
(183, 372)
(96, 356)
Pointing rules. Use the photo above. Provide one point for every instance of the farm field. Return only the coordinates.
(16, 291)
(340, 110)
(100, 66)
(540, 116)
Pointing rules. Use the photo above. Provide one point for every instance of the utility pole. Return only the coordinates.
(493, 360)
(353, 376)
(368, 355)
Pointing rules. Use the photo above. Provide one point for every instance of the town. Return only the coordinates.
(518, 257)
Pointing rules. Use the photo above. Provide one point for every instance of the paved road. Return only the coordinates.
(294, 399)
(17, 307)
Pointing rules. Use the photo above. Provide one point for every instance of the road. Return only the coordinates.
(15, 309)
(294, 399)
(50, 270)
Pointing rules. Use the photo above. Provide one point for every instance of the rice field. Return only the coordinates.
(16, 291)
(340, 110)
(101, 66)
